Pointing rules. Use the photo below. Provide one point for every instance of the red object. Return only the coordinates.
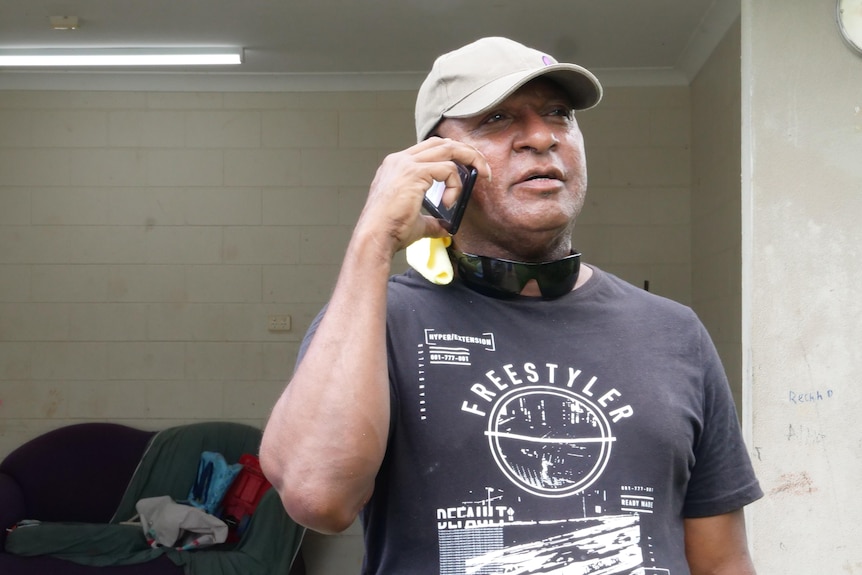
(245, 492)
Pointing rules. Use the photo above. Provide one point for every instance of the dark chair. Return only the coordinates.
(80, 473)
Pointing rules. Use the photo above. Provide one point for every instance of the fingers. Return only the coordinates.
(393, 207)
(440, 156)
(444, 150)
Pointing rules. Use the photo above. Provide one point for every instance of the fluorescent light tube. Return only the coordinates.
(121, 57)
(63, 22)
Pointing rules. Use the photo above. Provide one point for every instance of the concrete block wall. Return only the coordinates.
(146, 237)
(716, 203)
(636, 222)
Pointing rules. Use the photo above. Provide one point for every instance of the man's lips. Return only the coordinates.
(540, 174)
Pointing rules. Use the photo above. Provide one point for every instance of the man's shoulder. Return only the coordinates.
(609, 287)
(408, 284)
(409, 288)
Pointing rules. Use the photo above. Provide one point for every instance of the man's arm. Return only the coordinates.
(327, 434)
(717, 545)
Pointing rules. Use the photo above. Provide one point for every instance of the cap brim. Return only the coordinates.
(580, 84)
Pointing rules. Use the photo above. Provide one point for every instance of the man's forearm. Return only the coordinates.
(327, 433)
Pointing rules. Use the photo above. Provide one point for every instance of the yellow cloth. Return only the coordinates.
(428, 257)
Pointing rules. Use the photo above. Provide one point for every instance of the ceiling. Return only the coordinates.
(623, 39)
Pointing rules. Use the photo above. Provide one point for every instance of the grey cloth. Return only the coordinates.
(171, 524)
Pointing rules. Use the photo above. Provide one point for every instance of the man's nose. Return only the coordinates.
(536, 134)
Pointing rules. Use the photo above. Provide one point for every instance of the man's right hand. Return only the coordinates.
(392, 212)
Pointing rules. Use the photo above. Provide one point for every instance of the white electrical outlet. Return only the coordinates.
(279, 323)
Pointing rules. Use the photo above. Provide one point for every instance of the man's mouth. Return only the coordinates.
(551, 174)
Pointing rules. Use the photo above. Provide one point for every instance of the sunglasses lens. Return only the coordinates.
(490, 276)
(504, 278)
(558, 278)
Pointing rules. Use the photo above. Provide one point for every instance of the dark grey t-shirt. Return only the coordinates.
(570, 436)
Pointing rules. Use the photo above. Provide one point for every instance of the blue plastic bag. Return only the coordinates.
(213, 480)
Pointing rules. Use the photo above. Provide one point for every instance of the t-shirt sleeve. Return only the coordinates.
(722, 479)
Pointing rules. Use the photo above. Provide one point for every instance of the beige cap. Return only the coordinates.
(473, 79)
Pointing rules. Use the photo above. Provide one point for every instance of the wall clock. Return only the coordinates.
(850, 22)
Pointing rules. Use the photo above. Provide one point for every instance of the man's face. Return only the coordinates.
(539, 176)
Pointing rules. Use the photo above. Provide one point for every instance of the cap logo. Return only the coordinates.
(547, 60)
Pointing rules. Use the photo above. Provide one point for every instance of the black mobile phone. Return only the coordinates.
(450, 218)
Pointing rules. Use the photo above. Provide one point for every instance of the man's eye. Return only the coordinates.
(561, 111)
(495, 117)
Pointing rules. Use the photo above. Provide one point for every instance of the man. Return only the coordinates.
(533, 416)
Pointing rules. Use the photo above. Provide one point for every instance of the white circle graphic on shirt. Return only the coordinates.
(549, 441)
